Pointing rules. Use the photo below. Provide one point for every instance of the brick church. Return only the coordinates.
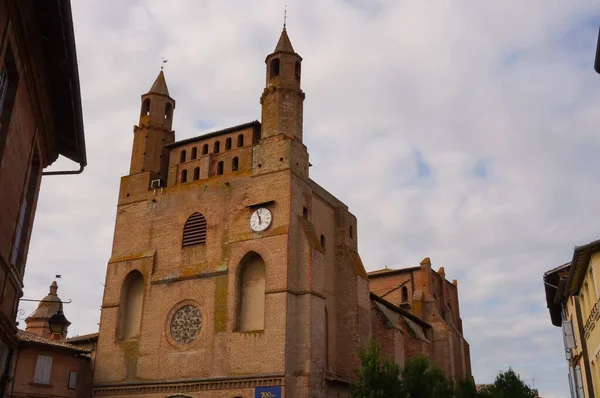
(233, 274)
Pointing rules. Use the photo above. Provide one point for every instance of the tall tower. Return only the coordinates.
(282, 99)
(154, 131)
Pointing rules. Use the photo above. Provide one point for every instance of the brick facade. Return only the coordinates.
(314, 297)
(37, 84)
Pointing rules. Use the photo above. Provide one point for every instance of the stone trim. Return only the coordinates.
(295, 292)
(172, 387)
(185, 278)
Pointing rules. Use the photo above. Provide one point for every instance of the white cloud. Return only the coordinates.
(508, 86)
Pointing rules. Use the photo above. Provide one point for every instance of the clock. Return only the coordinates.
(260, 219)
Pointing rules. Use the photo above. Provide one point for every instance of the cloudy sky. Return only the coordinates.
(465, 131)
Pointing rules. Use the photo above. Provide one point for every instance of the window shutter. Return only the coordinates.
(568, 334)
(42, 370)
(579, 381)
(571, 383)
(194, 231)
(72, 380)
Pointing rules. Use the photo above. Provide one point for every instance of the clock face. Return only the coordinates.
(260, 219)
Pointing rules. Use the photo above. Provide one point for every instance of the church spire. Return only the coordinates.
(284, 43)
(282, 98)
(154, 131)
(160, 85)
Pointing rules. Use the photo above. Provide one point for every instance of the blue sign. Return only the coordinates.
(267, 392)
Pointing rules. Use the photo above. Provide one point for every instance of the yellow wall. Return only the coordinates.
(592, 278)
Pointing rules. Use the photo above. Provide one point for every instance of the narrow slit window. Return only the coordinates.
(184, 176)
(305, 212)
(196, 173)
(182, 156)
(145, 107)
(168, 111)
(205, 149)
(194, 153)
(220, 168)
(297, 70)
(228, 144)
(240, 141)
(275, 67)
(351, 232)
(234, 164)
(194, 231)
(404, 294)
(323, 241)
(217, 147)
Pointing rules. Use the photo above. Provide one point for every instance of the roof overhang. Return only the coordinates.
(579, 266)
(55, 22)
(554, 286)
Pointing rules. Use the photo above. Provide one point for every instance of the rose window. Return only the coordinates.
(185, 324)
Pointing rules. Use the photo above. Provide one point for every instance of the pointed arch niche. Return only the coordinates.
(250, 293)
(130, 306)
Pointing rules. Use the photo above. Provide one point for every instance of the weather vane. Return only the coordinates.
(164, 61)
(284, 16)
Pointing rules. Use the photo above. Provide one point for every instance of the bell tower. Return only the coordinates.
(282, 99)
(154, 131)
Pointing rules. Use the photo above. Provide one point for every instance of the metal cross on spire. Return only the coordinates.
(284, 16)
(164, 61)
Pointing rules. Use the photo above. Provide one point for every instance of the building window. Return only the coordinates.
(234, 164)
(72, 380)
(168, 111)
(9, 80)
(194, 231)
(196, 173)
(304, 212)
(43, 368)
(251, 293)
(145, 107)
(130, 306)
(217, 147)
(194, 153)
(220, 168)
(351, 232)
(182, 156)
(184, 176)
(404, 294)
(275, 67)
(205, 149)
(228, 144)
(297, 70)
(240, 140)
(25, 219)
(323, 241)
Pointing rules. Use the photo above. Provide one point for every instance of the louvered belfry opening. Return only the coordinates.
(194, 231)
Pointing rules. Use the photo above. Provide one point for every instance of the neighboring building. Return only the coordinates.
(40, 119)
(232, 273)
(433, 301)
(46, 364)
(573, 298)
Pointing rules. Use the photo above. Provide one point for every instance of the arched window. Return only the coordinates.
(168, 111)
(220, 168)
(217, 147)
(130, 306)
(196, 173)
(234, 164)
(297, 70)
(182, 156)
(184, 176)
(146, 107)
(205, 149)
(240, 139)
(228, 144)
(194, 153)
(274, 67)
(323, 241)
(194, 231)
(404, 294)
(251, 293)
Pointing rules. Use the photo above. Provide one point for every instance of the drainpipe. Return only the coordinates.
(584, 349)
(64, 172)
